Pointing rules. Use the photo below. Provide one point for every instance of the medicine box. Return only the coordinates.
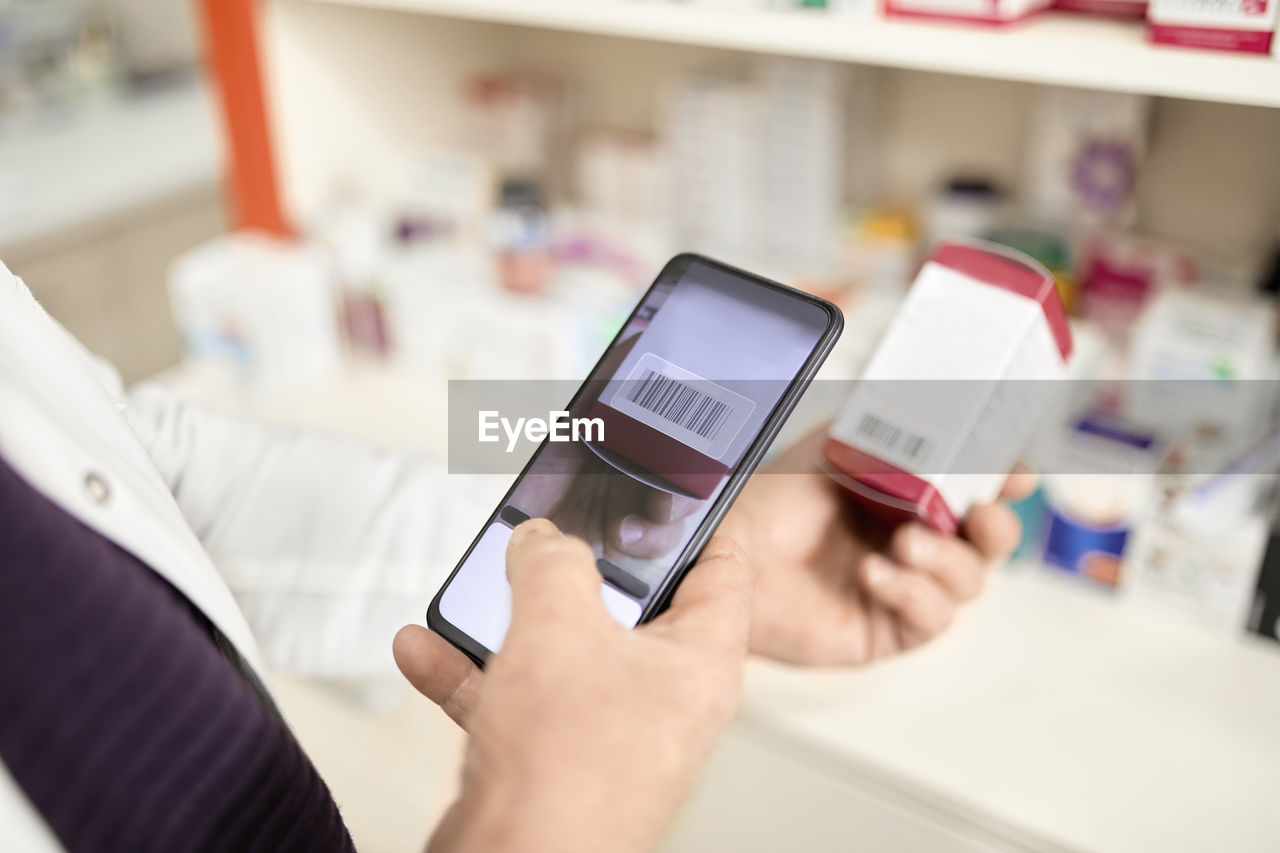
(1243, 26)
(955, 389)
(989, 12)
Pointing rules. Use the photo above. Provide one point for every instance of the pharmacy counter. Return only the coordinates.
(1052, 717)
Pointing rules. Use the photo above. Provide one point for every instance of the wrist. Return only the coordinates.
(514, 818)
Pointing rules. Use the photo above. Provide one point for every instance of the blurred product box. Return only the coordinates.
(1097, 492)
(1119, 274)
(519, 123)
(710, 131)
(801, 155)
(1111, 8)
(1209, 578)
(1243, 26)
(881, 252)
(358, 238)
(1202, 364)
(1085, 150)
(260, 312)
(989, 12)
(451, 319)
(756, 166)
(1199, 554)
(842, 7)
(520, 232)
(955, 389)
(446, 191)
(964, 208)
(620, 175)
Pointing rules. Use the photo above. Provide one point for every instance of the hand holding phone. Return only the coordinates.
(687, 399)
(586, 735)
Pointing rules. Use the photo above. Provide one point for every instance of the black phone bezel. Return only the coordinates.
(676, 268)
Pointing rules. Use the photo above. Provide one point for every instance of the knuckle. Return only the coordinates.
(915, 595)
(724, 548)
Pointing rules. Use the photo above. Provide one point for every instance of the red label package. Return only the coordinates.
(955, 390)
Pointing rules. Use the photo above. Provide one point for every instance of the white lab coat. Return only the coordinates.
(320, 546)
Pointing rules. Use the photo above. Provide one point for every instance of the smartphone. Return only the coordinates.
(675, 416)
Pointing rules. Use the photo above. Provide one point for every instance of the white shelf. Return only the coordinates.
(69, 171)
(1062, 49)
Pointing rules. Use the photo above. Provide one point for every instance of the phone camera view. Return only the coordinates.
(668, 414)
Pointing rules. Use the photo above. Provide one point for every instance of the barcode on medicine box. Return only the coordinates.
(679, 403)
(891, 438)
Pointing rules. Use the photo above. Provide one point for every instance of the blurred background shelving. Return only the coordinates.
(1208, 180)
(111, 164)
(67, 172)
(1067, 50)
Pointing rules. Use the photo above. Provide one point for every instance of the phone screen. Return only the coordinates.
(667, 426)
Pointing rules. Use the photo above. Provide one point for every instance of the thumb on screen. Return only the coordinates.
(552, 576)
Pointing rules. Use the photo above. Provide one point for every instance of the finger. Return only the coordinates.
(994, 530)
(923, 609)
(1020, 484)
(638, 537)
(712, 605)
(552, 576)
(664, 507)
(438, 671)
(953, 562)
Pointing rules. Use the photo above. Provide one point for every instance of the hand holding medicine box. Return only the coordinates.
(955, 389)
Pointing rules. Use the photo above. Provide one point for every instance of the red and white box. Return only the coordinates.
(1243, 26)
(1110, 8)
(989, 12)
(955, 389)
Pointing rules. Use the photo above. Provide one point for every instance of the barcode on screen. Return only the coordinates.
(890, 438)
(679, 403)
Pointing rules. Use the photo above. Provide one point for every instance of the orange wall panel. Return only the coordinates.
(232, 47)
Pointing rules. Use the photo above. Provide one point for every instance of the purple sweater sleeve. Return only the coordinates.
(121, 719)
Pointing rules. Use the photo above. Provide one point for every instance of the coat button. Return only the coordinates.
(96, 488)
